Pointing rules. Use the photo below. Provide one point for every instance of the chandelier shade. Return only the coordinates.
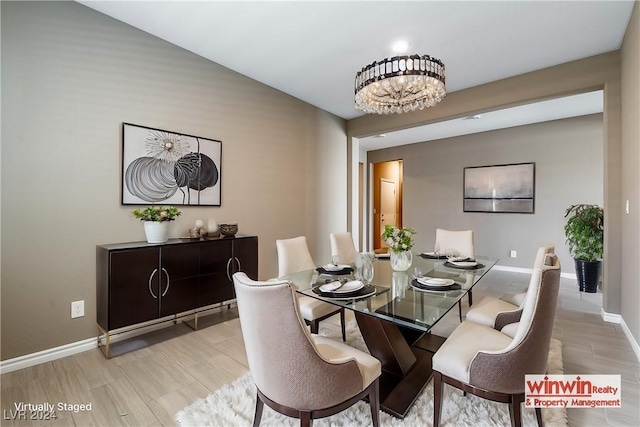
(400, 84)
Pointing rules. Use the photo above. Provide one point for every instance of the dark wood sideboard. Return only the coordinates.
(138, 282)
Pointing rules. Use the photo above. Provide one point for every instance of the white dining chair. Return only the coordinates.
(342, 245)
(294, 256)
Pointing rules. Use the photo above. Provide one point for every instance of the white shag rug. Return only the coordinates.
(234, 404)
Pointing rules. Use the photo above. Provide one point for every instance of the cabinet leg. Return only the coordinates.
(104, 349)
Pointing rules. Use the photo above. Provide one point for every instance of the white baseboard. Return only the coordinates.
(70, 349)
(529, 271)
(616, 318)
(610, 317)
(48, 355)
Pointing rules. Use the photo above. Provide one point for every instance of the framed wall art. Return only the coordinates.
(163, 167)
(500, 188)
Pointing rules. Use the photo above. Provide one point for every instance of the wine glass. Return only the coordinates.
(335, 260)
(436, 249)
(418, 272)
(367, 273)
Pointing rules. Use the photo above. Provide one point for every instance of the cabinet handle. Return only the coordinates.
(150, 278)
(168, 282)
(228, 275)
(239, 265)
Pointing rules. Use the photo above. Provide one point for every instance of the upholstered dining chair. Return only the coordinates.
(343, 246)
(298, 374)
(459, 242)
(485, 362)
(504, 312)
(294, 256)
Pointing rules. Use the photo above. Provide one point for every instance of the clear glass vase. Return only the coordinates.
(401, 261)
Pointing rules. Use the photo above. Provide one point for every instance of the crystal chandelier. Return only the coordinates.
(400, 84)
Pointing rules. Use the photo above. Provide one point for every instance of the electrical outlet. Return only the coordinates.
(77, 309)
(512, 254)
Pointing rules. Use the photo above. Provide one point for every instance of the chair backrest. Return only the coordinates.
(283, 359)
(460, 241)
(540, 255)
(293, 256)
(504, 370)
(343, 246)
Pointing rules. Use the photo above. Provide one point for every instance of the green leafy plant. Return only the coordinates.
(157, 213)
(398, 239)
(585, 231)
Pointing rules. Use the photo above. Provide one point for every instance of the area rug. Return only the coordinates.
(234, 404)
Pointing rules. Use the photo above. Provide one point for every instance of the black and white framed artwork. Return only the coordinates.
(500, 188)
(163, 167)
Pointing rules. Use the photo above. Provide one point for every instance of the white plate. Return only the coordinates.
(335, 287)
(434, 281)
(387, 255)
(331, 267)
(464, 263)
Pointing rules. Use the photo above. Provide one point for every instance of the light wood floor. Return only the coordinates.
(162, 372)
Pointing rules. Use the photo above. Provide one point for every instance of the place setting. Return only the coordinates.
(436, 254)
(335, 268)
(455, 260)
(344, 289)
(420, 282)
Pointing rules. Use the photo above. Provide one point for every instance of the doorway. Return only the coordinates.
(387, 199)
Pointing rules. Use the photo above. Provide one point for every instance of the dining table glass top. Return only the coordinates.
(395, 296)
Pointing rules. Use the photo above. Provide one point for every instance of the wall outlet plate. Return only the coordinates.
(77, 309)
(512, 254)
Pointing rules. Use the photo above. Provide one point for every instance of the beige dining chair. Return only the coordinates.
(296, 373)
(504, 312)
(460, 243)
(294, 256)
(343, 246)
(482, 361)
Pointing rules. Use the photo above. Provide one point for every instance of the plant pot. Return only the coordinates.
(588, 273)
(401, 261)
(156, 232)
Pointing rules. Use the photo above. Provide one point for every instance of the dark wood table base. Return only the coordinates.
(405, 355)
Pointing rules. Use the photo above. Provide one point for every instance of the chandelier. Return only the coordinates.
(400, 84)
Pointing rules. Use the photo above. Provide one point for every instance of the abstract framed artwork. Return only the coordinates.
(162, 167)
(500, 188)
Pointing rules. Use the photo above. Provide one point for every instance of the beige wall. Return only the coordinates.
(70, 77)
(630, 55)
(568, 167)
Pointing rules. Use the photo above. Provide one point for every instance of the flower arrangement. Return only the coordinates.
(398, 239)
(157, 213)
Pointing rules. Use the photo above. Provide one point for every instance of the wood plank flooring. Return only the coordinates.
(160, 373)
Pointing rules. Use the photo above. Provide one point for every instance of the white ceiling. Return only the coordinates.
(313, 49)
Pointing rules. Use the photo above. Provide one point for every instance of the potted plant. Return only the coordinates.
(585, 236)
(156, 221)
(400, 242)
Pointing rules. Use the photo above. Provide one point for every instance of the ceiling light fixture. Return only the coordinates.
(400, 84)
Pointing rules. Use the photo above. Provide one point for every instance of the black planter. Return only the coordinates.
(588, 273)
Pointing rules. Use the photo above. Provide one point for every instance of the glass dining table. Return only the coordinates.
(395, 314)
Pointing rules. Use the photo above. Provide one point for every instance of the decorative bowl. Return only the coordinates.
(228, 229)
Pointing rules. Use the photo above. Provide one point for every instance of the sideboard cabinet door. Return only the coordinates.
(134, 286)
(245, 254)
(216, 269)
(180, 268)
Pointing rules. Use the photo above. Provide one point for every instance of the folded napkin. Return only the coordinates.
(462, 259)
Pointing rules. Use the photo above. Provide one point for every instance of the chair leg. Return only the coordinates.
(539, 416)
(374, 402)
(314, 326)
(258, 414)
(438, 388)
(515, 410)
(305, 419)
(342, 322)
(470, 297)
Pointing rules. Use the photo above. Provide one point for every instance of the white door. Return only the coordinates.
(387, 205)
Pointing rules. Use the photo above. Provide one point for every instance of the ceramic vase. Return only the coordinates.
(401, 261)
(156, 232)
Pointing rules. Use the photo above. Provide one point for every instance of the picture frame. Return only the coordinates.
(169, 168)
(508, 188)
